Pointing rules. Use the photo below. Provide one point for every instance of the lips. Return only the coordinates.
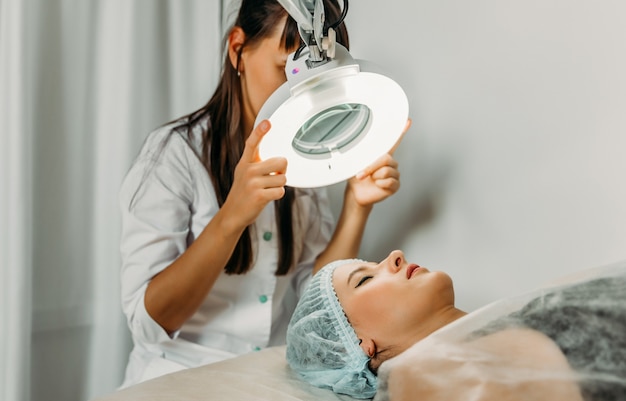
(409, 270)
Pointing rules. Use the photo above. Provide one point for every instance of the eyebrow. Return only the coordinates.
(355, 271)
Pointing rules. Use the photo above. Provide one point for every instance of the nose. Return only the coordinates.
(395, 261)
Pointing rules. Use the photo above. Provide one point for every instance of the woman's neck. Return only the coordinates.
(248, 123)
(439, 320)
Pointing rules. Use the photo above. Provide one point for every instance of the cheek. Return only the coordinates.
(275, 80)
(380, 321)
(372, 308)
(268, 84)
(271, 86)
(391, 309)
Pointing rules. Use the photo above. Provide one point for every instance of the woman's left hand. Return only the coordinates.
(379, 180)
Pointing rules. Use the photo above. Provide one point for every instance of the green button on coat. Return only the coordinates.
(263, 299)
(267, 236)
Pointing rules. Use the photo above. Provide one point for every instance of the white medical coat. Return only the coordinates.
(166, 201)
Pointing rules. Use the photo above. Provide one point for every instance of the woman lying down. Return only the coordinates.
(566, 342)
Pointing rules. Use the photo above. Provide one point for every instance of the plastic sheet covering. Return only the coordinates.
(566, 341)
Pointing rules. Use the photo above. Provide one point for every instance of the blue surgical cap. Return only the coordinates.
(322, 346)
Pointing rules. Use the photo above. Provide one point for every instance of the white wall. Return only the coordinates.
(513, 171)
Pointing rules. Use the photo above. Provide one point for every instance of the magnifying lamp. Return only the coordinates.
(334, 116)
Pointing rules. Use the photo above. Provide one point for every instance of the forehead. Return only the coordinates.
(342, 273)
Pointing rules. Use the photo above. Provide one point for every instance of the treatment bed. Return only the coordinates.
(262, 375)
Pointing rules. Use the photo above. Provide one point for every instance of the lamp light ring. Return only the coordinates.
(387, 112)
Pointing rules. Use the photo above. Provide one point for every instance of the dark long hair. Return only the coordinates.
(223, 139)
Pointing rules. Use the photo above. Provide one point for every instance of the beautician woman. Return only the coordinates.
(215, 247)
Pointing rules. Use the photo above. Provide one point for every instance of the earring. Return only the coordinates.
(238, 73)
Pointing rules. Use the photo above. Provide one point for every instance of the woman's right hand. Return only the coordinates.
(256, 182)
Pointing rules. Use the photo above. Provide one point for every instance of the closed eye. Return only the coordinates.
(363, 280)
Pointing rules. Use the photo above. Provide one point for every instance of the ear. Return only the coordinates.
(368, 346)
(236, 39)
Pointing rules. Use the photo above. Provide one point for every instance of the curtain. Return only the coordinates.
(15, 210)
(81, 84)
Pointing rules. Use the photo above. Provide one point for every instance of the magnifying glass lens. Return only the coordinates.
(335, 128)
